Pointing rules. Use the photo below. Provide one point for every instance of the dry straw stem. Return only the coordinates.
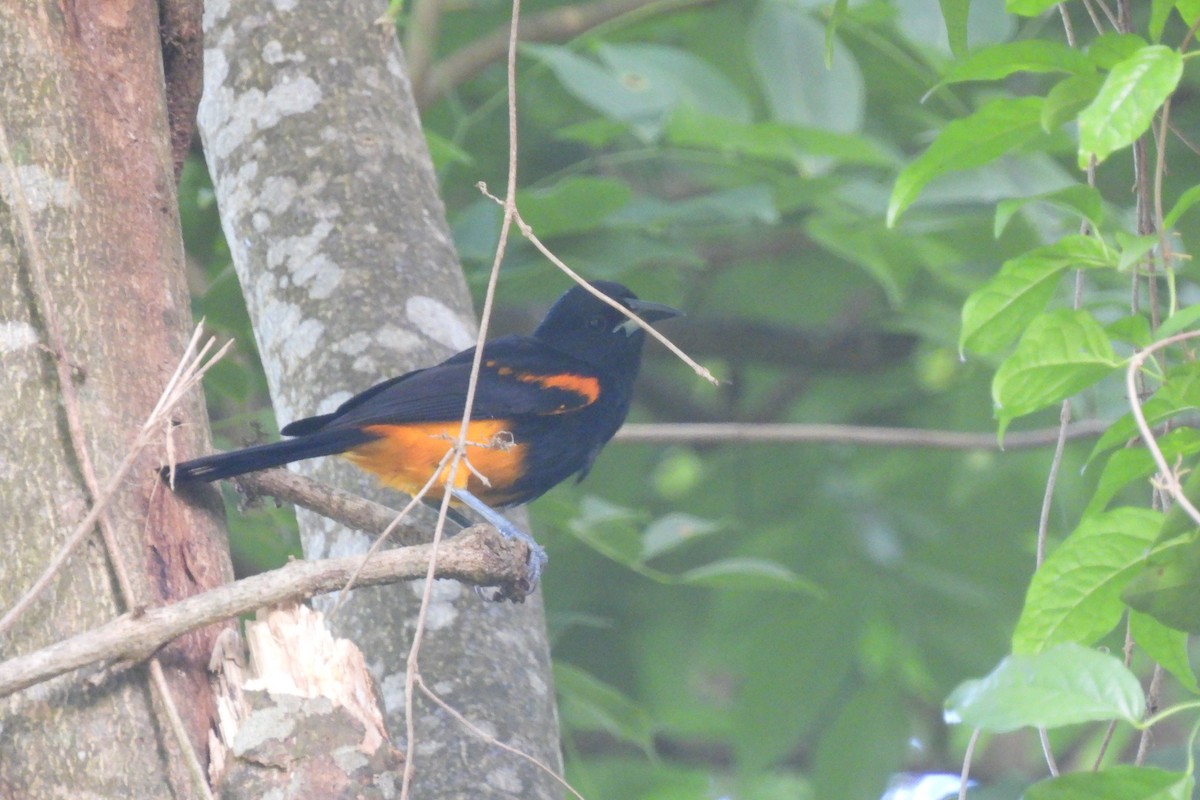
(479, 556)
(189, 372)
(1170, 481)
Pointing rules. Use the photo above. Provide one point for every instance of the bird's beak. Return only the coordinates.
(652, 312)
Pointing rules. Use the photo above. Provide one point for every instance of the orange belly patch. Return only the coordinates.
(406, 456)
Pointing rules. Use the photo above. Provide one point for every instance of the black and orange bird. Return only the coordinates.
(545, 405)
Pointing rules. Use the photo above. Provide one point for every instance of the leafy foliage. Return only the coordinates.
(889, 188)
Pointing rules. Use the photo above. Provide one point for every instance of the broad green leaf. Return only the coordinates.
(674, 530)
(1112, 48)
(955, 13)
(1189, 10)
(1179, 392)
(1116, 783)
(1028, 8)
(688, 81)
(887, 255)
(753, 574)
(771, 141)
(997, 128)
(1064, 685)
(1030, 55)
(1136, 463)
(1180, 321)
(609, 529)
(1166, 647)
(785, 42)
(873, 720)
(639, 105)
(1185, 202)
(1133, 248)
(1134, 330)
(997, 312)
(1125, 106)
(1168, 586)
(1080, 198)
(573, 205)
(1061, 353)
(588, 704)
(1067, 98)
(1160, 10)
(1075, 596)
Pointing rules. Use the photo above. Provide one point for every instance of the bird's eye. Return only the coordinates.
(595, 323)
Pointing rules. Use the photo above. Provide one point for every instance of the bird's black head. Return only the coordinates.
(581, 325)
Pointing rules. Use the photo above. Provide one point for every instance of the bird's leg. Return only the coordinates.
(537, 556)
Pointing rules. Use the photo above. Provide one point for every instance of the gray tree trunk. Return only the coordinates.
(331, 210)
(83, 109)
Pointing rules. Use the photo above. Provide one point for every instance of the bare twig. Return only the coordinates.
(479, 556)
(187, 376)
(965, 777)
(559, 24)
(865, 435)
(1170, 481)
(492, 740)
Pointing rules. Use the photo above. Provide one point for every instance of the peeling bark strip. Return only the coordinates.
(329, 203)
(83, 109)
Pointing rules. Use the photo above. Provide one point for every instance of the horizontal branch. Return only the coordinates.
(787, 433)
(479, 555)
(349, 509)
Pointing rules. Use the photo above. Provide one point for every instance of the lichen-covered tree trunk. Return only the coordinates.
(83, 109)
(330, 207)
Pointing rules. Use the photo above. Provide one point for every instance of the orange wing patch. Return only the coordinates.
(585, 386)
(406, 456)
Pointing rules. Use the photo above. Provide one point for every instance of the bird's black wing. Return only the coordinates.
(519, 377)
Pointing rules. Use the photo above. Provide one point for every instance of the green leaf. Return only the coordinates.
(1112, 48)
(1080, 198)
(587, 704)
(996, 313)
(1125, 106)
(1064, 685)
(784, 42)
(1115, 783)
(1134, 330)
(1168, 586)
(873, 720)
(1061, 353)
(1179, 392)
(1182, 320)
(1185, 202)
(1160, 10)
(1075, 596)
(997, 128)
(674, 530)
(831, 27)
(1165, 646)
(771, 141)
(1028, 8)
(573, 205)
(1133, 248)
(752, 574)
(955, 13)
(687, 80)
(1068, 97)
(1030, 55)
(1189, 10)
(609, 529)
(1128, 465)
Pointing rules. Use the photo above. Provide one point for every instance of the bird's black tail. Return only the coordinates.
(263, 456)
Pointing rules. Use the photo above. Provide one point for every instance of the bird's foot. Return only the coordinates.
(537, 555)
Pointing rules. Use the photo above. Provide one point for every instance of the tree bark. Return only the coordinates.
(330, 206)
(83, 108)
